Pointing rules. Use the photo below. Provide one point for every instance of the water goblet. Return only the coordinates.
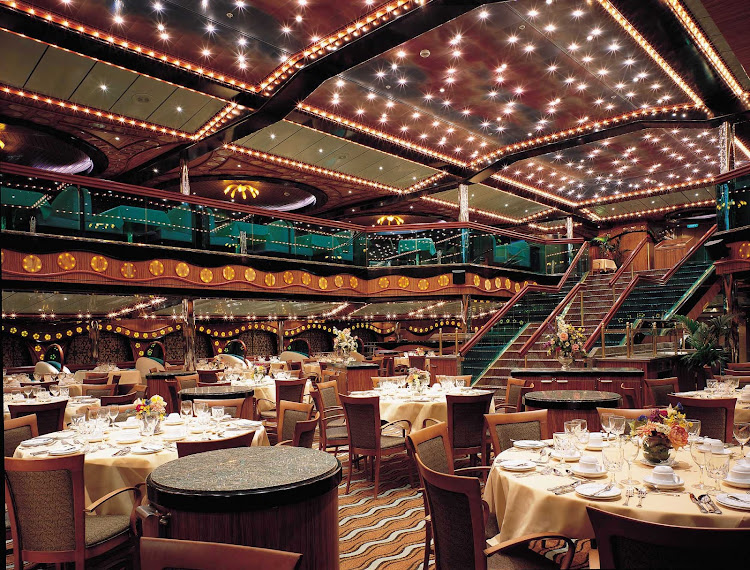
(698, 453)
(742, 435)
(64, 392)
(613, 459)
(55, 391)
(581, 439)
(717, 465)
(460, 383)
(631, 446)
(693, 429)
(617, 424)
(38, 377)
(113, 410)
(149, 425)
(606, 424)
(186, 410)
(563, 443)
(217, 412)
(711, 387)
(28, 390)
(570, 426)
(76, 421)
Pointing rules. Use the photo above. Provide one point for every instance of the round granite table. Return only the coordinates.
(566, 405)
(284, 498)
(216, 392)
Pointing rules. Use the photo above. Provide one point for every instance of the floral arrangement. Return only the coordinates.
(344, 341)
(566, 341)
(153, 405)
(419, 351)
(417, 378)
(662, 431)
(259, 370)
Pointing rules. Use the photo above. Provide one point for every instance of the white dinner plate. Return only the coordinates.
(590, 490)
(247, 424)
(173, 436)
(36, 441)
(738, 484)
(67, 450)
(529, 444)
(680, 482)
(516, 465)
(63, 434)
(126, 425)
(146, 449)
(597, 446)
(126, 438)
(724, 500)
(588, 474)
(177, 422)
(568, 458)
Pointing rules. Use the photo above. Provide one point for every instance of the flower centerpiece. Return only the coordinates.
(662, 431)
(344, 343)
(565, 343)
(419, 351)
(259, 371)
(155, 406)
(417, 379)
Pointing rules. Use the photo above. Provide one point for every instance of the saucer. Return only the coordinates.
(598, 446)
(591, 491)
(516, 465)
(588, 474)
(680, 482)
(529, 444)
(738, 484)
(126, 438)
(724, 500)
(569, 458)
(67, 450)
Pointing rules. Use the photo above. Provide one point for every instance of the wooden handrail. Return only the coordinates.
(469, 344)
(647, 279)
(628, 261)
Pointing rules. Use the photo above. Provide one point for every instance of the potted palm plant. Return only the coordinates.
(710, 342)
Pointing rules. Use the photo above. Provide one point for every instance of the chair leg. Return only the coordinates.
(427, 543)
(376, 466)
(349, 475)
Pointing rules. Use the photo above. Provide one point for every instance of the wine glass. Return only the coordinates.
(149, 425)
(631, 446)
(65, 392)
(28, 390)
(693, 429)
(54, 390)
(717, 466)
(562, 443)
(113, 410)
(698, 453)
(617, 424)
(186, 410)
(606, 425)
(217, 412)
(613, 458)
(581, 439)
(742, 435)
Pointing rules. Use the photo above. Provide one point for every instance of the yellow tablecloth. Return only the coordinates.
(742, 413)
(524, 505)
(104, 473)
(70, 410)
(267, 391)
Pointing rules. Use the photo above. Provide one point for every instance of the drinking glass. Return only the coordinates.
(631, 446)
(717, 466)
(570, 426)
(563, 445)
(581, 439)
(217, 412)
(65, 392)
(28, 390)
(742, 435)
(613, 459)
(460, 383)
(606, 425)
(711, 387)
(693, 429)
(38, 377)
(698, 453)
(149, 425)
(617, 424)
(186, 410)
(76, 421)
(113, 411)
(55, 391)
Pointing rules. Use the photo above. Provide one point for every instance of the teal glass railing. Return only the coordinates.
(733, 203)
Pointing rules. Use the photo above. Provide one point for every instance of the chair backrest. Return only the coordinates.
(50, 416)
(191, 447)
(18, 430)
(140, 391)
(433, 447)
(658, 389)
(631, 396)
(96, 378)
(295, 365)
(329, 395)
(518, 425)
(163, 553)
(126, 411)
(387, 366)
(417, 362)
(513, 392)
(174, 397)
(457, 519)
(187, 381)
(46, 384)
(290, 390)
(524, 390)
(363, 419)
(716, 415)
(45, 500)
(289, 413)
(125, 399)
(628, 414)
(624, 542)
(116, 379)
(98, 390)
(235, 407)
(304, 432)
(466, 421)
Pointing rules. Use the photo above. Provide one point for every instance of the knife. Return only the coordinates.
(713, 505)
(703, 509)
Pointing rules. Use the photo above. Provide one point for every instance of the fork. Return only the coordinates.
(629, 492)
(641, 494)
(736, 498)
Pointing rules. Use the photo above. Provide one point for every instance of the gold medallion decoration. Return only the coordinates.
(128, 270)
(306, 279)
(383, 282)
(66, 261)
(498, 282)
(507, 283)
(156, 268)
(443, 280)
(207, 275)
(423, 284)
(487, 284)
(403, 282)
(744, 250)
(323, 283)
(249, 274)
(228, 273)
(338, 281)
(32, 263)
(99, 263)
(353, 282)
(518, 287)
(288, 277)
(270, 280)
(476, 281)
(182, 269)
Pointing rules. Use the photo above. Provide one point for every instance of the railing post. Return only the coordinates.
(653, 339)
(676, 326)
(440, 339)
(604, 343)
(581, 308)
(628, 340)
(525, 360)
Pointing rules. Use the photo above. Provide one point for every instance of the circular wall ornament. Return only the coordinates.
(323, 283)
(476, 281)
(383, 282)
(128, 270)
(518, 287)
(507, 283)
(353, 282)
(498, 282)
(207, 275)
(182, 269)
(423, 284)
(99, 263)
(66, 261)
(338, 281)
(487, 284)
(270, 280)
(306, 279)
(443, 280)
(403, 282)
(228, 272)
(156, 268)
(288, 277)
(250, 274)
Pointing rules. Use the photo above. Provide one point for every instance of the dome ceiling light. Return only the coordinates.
(390, 220)
(242, 190)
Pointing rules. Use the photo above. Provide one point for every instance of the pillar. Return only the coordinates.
(94, 340)
(188, 332)
(569, 235)
(726, 147)
(463, 216)
(184, 180)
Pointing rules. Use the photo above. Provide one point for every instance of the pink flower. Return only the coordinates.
(563, 336)
(576, 347)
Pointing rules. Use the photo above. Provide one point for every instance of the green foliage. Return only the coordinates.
(710, 340)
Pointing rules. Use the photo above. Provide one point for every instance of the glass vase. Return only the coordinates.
(658, 451)
(565, 361)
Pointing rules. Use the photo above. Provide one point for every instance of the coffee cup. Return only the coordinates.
(595, 439)
(589, 464)
(740, 472)
(664, 474)
(173, 417)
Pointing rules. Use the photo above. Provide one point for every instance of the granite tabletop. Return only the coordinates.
(571, 399)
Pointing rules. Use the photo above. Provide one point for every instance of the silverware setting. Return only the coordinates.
(120, 452)
(641, 494)
(604, 489)
(707, 500)
(629, 493)
(695, 500)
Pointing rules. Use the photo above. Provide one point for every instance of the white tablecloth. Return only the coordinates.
(71, 409)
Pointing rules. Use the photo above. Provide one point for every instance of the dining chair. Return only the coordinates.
(295, 365)
(627, 413)
(658, 390)
(716, 415)
(289, 414)
(458, 526)
(141, 390)
(418, 362)
(50, 416)
(174, 397)
(164, 553)
(432, 446)
(17, 430)
(187, 381)
(386, 366)
(121, 400)
(631, 396)
(50, 522)
(504, 428)
(304, 433)
(624, 542)
(95, 378)
(513, 398)
(126, 411)
(235, 407)
(192, 447)
(98, 390)
(466, 423)
(332, 421)
(366, 437)
(289, 390)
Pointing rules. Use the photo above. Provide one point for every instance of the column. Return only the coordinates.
(184, 180)
(569, 235)
(726, 163)
(188, 332)
(463, 216)
(94, 340)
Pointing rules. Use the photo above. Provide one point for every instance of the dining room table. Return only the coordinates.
(76, 404)
(265, 388)
(741, 408)
(566, 405)
(524, 502)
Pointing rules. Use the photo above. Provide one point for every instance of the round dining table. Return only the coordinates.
(524, 504)
(216, 392)
(564, 405)
(74, 406)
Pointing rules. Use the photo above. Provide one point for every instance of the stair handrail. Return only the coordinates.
(628, 261)
(648, 279)
(477, 336)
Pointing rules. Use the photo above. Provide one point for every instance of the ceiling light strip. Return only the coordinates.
(426, 182)
(740, 145)
(663, 210)
(95, 113)
(489, 214)
(707, 48)
(272, 158)
(656, 190)
(533, 190)
(652, 53)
